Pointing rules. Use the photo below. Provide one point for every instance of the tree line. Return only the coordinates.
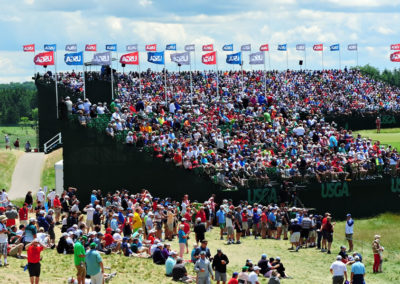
(391, 77)
(18, 101)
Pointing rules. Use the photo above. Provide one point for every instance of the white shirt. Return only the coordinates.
(253, 278)
(40, 196)
(51, 195)
(89, 213)
(117, 237)
(3, 236)
(75, 208)
(338, 268)
(349, 229)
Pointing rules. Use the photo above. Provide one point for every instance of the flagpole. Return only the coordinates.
(112, 81)
(140, 81)
(34, 65)
(165, 84)
(357, 56)
(340, 61)
(216, 65)
(84, 81)
(269, 60)
(191, 82)
(241, 68)
(305, 58)
(194, 51)
(287, 59)
(322, 58)
(55, 70)
(265, 77)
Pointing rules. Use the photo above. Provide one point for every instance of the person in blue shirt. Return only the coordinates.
(256, 220)
(94, 265)
(182, 240)
(192, 254)
(125, 247)
(93, 197)
(169, 264)
(221, 221)
(42, 222)
(114, 223)
(357, 271)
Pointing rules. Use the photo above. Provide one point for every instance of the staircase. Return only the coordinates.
(53, 144)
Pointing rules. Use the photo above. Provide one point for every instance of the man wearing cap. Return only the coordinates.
(338, 270)
(219, 264)
(203, 269)
(158, 257)
(33, 250)
(89, 216)
(199, 230)
(243, 275)
(357, 272)
(349, 231)
(3, 239)
(253, 276)
(170, 263)
(79, 260)
(234, 279)
(94, 265)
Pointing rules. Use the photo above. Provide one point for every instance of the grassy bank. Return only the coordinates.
(8, 160)
(48, 173)
(24, 134)
(307, 266)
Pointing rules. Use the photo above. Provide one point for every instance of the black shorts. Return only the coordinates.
(34, 269)
(304, 233)
(272, 226)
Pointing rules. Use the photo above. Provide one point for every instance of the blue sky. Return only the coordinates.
(373, 24)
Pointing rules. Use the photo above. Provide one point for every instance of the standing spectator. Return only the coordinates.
(221, 221)
(34, 249)
(27, 147)
(327, 233)
(3, 198)
(16, 144)
(29, 200)
(349, 230)
(182, 240)
(94, 265)
(376, 249)
(199, 230)
(11, 215)
(50, 198)
(57, 208)
(357, 271)
(7, 142)
(40, 196)
(338, 270)
(23, 215)
(203, 269)
(79, 260)
(219, 264)
(50, 220)
(89, 216)
(3, 239)
(378, 124)
(295, 230)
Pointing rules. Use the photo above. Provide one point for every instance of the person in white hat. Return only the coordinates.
(253, 276)
(3, 239)
(338, 270)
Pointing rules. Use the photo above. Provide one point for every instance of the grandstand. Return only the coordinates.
(260, 135)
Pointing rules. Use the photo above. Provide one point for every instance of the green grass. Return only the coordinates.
(387, 136)
(8, 160)
(48, 177)
(306, 266)
(14, 132)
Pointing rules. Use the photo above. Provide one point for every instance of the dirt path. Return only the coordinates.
(26, 175)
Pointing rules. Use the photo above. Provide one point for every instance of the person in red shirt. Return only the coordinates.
(23, 214)
(57, 208)
(202, 215)
(234, 279)
(186, 229)
(34, 249)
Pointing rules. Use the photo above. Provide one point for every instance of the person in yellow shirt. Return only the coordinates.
(136, 221)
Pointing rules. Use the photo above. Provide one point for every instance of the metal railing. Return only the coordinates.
(51, 143)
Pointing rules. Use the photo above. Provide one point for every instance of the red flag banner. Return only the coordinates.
(209, 58)
(318, 47)
(151, 47)
(130, 58)
(208, 47)
(91, 47)
(395, 57)
(44, 58)
(395, 46)
(29, 48)
(264, 47)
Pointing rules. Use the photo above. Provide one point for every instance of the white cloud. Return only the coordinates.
(384, 30)
(145, 3)
(365, 3)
